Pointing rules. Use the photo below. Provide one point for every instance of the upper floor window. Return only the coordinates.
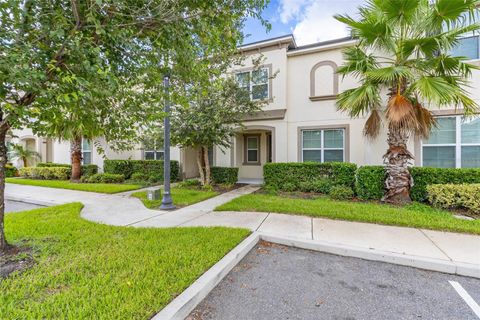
(255, 82)
(454, 143)
(326, 145)
(153, 149)
(324, 81)
(86, 151)
(469, 45)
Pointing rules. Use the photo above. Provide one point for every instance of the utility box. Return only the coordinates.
(154, 194)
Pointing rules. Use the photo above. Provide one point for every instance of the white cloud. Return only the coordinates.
(313, 19)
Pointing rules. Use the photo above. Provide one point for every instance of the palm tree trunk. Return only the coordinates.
(76, 158)
(3, 162)
(399, 181)
(200, 167)
(25, 163)
(207, 166)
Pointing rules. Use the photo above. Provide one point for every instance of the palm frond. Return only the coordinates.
(390, 74)
(453, 11)
(373, 124)
(357, 62)
(425, 121)
(396, 10)
(360, 100)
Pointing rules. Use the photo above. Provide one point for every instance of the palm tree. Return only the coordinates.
(18, 151)
(402, 55)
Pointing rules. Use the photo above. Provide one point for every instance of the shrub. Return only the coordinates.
(370, 182)
(156, 178)
(105, 178)
(317, 186)
(289, 176)
(189, 183)
(10, 171)
(224, 175)
(138, 176)
(146, 167)
(87, 169)
(450, 196)
(341, 193)
(371, 179)
(46, 173)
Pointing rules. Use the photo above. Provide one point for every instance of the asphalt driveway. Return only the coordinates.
(277, 282)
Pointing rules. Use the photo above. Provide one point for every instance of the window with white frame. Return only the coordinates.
(255, 82)
(153, 149)
(323, 145)
(454, 143)
(252, 149)
(86, 151)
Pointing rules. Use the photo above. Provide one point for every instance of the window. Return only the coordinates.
(469, 45)
(454, 143)
(326, 145)
(252, 149)
(153, 149)
(86, 151)
(255, 82)
(210, 155)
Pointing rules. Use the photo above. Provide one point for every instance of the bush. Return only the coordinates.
(317, 186)
(451, 196)
(46, 173)
(156, 178)
(371, 179)
(145, 167)
(224, 175)
(10, 171)
(87, 169)
(370, 182)
(138, 176)
(290, 176)
(341, 193)
(105, 178)
(189, 183)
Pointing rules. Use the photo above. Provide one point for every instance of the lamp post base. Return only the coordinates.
(167, 202)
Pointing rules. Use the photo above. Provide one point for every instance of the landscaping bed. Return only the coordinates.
(65, 184)
(415, 215)
(83, 270)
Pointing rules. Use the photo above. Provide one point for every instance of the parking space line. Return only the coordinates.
(466, 297)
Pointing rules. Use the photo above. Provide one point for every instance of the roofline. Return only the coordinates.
(323, 43)
(286, 39)
(322, 46)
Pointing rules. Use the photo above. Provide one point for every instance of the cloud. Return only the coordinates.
(312, 20)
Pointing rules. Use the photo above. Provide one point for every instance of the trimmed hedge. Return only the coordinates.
(370, 182)
(87, 169)
(293, 176)
(105, 178)
(371, 179)
(46, 173)
(224, 175)
(451, 196)
(11, 171)
(151, 168)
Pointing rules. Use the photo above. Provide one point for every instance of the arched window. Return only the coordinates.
(324, 81)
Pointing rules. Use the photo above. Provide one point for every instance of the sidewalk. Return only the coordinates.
(122, 210)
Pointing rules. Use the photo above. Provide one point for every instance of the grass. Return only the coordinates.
(63, 184)
(415, 215)
(85, 270)
(181, 197)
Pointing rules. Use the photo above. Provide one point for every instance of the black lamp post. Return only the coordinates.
(167, 202)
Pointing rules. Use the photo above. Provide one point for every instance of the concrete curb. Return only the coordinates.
(445, 266)
(33, 201)
(182, 305)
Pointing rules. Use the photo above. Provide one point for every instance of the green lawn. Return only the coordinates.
(415, 215)
(86, 270)
(181, 197)
(63, 184)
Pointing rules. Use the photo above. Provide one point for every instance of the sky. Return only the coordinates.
(308, 20)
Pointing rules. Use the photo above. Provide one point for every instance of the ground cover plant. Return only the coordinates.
(84, 270)
(414, 215)
(66, 184)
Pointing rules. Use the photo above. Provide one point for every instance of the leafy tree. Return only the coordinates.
(18, 151)
(211, 118)
(75, 64)
(403, 53)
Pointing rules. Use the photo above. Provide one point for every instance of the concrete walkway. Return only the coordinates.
(123, 210)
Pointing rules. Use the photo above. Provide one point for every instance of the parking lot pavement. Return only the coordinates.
(278, 282)
(15, 206)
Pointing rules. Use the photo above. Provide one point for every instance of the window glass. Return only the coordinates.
(439, 157)
(86, 151)
(471, 130)
(210, 155)
(149, 155)
(252, 155)
(444, 132)
(471, 157)
(87, 157)
(252, 143)
(312, 139)
(86, 145)
(255, 83)
(333, 156)
(153, 149)
(243, 79)
(333, 138)
(260, 76)
(252, 149)
(260, 92)
(312, 155)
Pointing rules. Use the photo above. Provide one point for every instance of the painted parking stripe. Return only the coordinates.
(466, 297)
